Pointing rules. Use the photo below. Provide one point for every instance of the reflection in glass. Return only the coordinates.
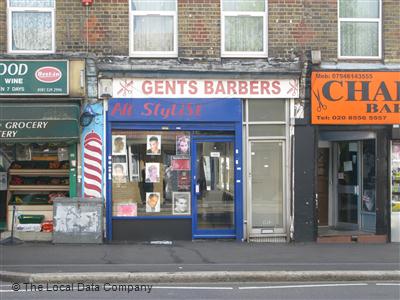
(369, 177)
(267, 184)
(215, 187)
(137, 174)
(348, 185)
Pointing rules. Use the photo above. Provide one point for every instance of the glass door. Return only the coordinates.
(347, 184)
(214, 188)
(266, 187)
(368, 195)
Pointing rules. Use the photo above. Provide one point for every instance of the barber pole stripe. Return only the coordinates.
(92, 165)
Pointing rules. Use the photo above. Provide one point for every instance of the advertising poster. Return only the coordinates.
(180, 164)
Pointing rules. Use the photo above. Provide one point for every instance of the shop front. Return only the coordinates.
(174, 169)
(354, 111)
(38, 160)
(197, 159)
(39, 136)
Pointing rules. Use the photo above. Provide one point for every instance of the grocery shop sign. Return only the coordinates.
(33, 77)
(355, 97)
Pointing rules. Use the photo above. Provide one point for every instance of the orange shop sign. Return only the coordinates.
(355, 97)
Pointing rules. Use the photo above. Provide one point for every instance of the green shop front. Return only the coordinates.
(38, 147)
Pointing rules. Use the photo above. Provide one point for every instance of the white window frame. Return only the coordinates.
(132, 14)
(10, 10)
(263, 14)
(375, 20)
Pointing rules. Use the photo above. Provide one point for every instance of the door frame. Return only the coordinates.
(263, 231)
(328, 145)
(214, 233)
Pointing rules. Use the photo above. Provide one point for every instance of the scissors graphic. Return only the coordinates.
(321, 106)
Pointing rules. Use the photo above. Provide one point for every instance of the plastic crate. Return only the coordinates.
(30, 219)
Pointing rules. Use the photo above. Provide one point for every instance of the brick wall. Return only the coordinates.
(312, 25)
(199, 28)
(102, 29)
(294, 26)
(391, 30)
(299, 25)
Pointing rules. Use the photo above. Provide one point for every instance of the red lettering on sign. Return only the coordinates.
(146, 87)
(125, 110)
(276, 87)
(231, 87)
(192, 87)
(242, 87)
(208, 87)
(265, 87)
(254, 87)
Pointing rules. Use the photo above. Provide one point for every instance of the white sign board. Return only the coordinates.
(213, 88)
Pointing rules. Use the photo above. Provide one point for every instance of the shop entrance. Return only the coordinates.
(214, 187)
(355, 185)
(347, 178)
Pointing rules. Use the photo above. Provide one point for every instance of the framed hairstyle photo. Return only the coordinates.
(153, 145)
(181, 203)
(153, 202)
(182, 145)
(119, 172)
(152, 172)
(118, 145)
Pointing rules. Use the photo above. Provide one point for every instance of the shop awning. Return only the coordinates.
(45, 122)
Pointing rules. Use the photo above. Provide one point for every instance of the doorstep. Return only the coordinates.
(362, 239)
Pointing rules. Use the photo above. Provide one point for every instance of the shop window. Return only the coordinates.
(153, 28)
(266, 110)
(244, 28)
(31, 26)
(360, 29)
(151, 173)
(266, 117)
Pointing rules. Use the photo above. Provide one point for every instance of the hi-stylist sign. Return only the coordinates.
(33, 77)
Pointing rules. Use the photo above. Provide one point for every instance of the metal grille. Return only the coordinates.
(271, 239)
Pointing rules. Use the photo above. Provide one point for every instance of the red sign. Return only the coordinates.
(180, 164)
(48, 74)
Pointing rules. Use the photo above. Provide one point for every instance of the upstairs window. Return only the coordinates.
(153, 29)
(360, 29)
(31, 26)
(244, 28)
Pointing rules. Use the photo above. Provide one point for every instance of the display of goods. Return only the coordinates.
(16, 180)
(54, 195)
(30, 219)
(54, 165)
(55, 181)
(47, 226)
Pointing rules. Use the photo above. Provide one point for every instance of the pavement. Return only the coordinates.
(199, 261)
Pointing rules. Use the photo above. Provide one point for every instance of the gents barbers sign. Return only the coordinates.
(198, 88)
(33, 77)
(355, 97)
